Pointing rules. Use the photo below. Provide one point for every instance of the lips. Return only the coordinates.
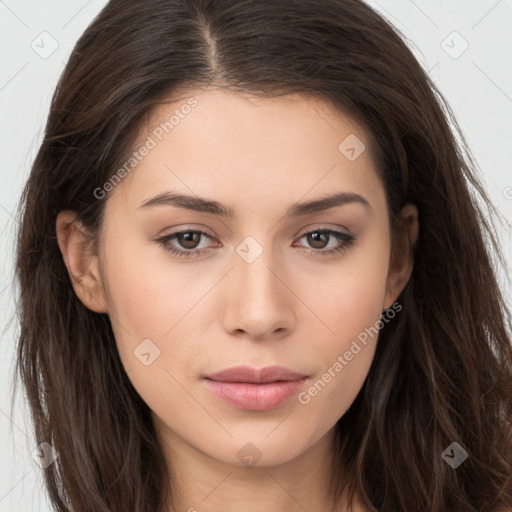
(254, 375)
(255, 389)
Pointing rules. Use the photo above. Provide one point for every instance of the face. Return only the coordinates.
(253, 278)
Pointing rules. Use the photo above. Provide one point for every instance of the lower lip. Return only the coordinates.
(255, 397)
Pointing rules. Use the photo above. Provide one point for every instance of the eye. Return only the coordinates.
(320, 238)
(187, 239)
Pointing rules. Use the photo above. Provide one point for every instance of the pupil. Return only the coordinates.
(317, 238)
(189, 240)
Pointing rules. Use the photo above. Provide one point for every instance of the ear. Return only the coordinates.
(76, 246)
(404, 236)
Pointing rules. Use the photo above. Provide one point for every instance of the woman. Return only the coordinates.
(251, 258)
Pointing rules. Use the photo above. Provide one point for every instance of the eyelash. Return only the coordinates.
(347, 241)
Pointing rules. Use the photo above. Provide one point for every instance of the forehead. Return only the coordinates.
(228, 146)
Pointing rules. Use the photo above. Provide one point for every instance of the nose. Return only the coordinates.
(259, 303)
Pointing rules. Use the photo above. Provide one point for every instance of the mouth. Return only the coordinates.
(255, 389)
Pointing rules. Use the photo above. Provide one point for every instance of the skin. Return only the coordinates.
(290, 306)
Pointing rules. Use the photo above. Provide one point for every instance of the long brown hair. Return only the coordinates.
(442, 372)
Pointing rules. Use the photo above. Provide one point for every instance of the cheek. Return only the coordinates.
(350, 305)
(154, 297)
(142, 303)
(349, 296)
(147, 290)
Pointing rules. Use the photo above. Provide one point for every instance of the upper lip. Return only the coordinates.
(256, 375)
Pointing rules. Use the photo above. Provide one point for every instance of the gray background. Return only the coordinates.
(36, 39)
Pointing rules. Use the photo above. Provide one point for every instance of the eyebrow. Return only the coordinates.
(203, 205)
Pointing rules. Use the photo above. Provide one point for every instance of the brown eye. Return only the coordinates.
(184, 243)
(189, 239)
(318, 239)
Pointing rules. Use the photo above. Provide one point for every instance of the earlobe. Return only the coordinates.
(405, 236)
(82, 263)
